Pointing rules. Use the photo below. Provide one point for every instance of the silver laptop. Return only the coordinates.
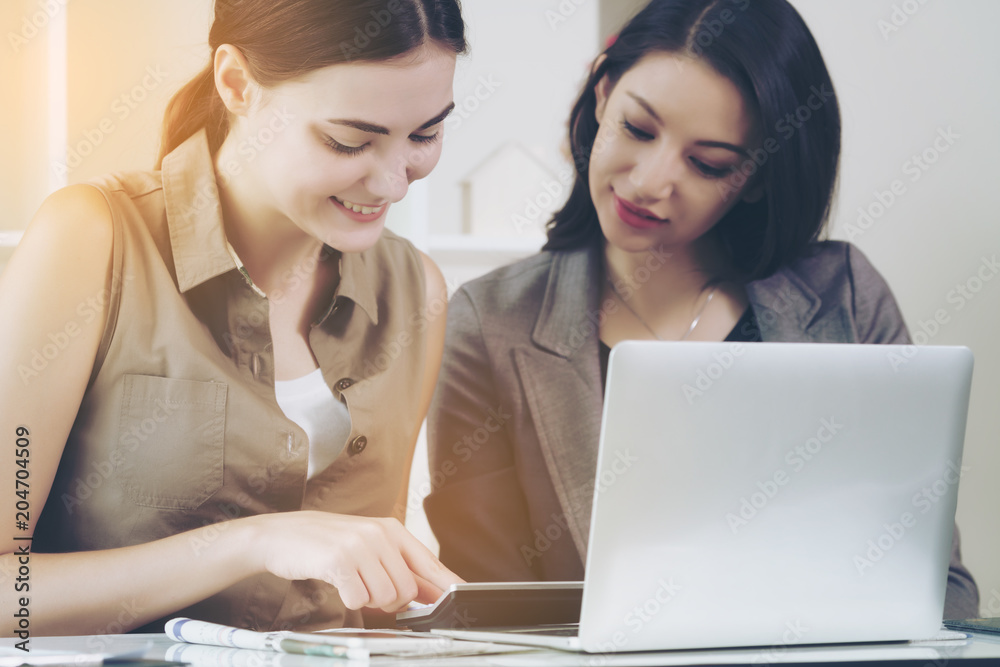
(770, 495)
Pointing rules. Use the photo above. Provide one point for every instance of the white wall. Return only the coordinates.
(24, 48)
(898, 89)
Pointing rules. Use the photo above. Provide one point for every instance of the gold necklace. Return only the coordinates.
(694, 322)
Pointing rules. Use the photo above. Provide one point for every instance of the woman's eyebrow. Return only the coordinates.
(645, 105)
(708, 144)
(365, 126)
(438, 118)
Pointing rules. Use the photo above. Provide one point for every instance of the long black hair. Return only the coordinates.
(283, 39)
(766, 50)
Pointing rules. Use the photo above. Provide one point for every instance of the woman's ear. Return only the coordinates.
(233, 80)
(602, 89)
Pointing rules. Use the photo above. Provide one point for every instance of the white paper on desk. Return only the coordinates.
(217, 656)
(398, 643)
(201, 655)
(403, 643)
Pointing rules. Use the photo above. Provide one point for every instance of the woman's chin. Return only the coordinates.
(358, 241)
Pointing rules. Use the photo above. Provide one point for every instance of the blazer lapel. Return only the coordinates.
(561, 379)
(788, 310)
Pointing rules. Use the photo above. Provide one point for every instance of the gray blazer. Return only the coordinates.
(513, 429)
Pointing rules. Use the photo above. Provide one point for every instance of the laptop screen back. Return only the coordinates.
(773, 494)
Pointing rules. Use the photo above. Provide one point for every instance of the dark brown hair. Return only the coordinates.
(284, 39)
(765, 48)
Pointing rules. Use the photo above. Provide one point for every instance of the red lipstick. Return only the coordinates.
(636, 216)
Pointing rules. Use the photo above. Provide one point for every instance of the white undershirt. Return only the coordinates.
(308, 402)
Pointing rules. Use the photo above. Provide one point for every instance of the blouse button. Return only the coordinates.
(255, 365)
(358, 445)
(344, 384)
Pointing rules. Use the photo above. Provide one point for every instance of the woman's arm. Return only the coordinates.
(476, 507)
(434, 317)
(876, 313)
(61, 269)
(879, 320)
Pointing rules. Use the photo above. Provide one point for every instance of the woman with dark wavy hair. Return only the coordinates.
(243, 355)
(706, 143)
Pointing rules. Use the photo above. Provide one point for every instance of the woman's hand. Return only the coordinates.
(373, 562)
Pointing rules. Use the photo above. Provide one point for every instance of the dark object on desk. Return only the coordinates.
(989, 625)
(916, 662)
(498, 604)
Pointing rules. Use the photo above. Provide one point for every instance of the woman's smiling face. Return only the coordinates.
(673, 134)
(335, 148)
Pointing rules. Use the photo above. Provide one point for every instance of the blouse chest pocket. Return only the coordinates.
(169, 452)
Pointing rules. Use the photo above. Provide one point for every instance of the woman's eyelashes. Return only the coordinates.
(425, 138)
(708, 170)
(343, 149)
(351, 151)
(636, 133)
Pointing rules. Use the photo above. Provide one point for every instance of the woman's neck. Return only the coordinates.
(661, 279)
(270, 246)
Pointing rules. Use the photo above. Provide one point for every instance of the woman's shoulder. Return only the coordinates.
(520, 281)
(133, 184)
(835, 266)
(834, 289)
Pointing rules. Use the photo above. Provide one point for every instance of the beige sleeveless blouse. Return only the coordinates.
(179, 426)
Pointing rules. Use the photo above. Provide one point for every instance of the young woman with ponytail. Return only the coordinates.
(226, 430)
